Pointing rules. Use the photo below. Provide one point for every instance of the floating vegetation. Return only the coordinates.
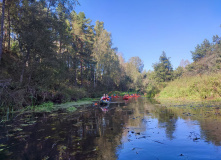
(47, 137)
(24, 125)
(67, 105)
(2, 145)
(41, 130)
(31, 122)
(17, 129)
(21, 137)
(10, 135)
(53, 115)
(46, 158)
(78, 124)
(71, 109)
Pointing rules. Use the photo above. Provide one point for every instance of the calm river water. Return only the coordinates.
(139, 129)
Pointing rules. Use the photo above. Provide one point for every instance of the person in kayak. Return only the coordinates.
(107, 97)
(103, 97)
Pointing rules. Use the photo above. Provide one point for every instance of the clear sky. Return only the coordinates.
(145, 28)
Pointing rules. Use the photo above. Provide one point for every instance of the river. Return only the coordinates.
(136, 130)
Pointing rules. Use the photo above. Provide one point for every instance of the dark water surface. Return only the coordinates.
(138, 130)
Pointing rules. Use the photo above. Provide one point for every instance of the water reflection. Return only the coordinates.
(139, 129)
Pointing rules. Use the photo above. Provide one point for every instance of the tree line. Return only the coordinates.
(50, 52)
(206, 61)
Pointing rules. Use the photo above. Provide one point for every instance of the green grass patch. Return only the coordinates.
(50, 107)
(85, 101)
(119, 93)
(45, 107)
(71, 109)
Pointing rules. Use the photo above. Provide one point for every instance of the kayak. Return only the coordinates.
(114, 96)
(125, 98)
(104, 102)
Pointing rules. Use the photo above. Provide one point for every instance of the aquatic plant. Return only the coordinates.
(71, 109)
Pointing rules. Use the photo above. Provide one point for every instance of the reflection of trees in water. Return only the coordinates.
(211, 131)
(143, 107)
(139, 112)
(90, 134)
(110, 132)
(166, 119)
(209, 119)
(93, 134)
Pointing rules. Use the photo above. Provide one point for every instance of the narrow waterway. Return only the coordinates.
(138, 129)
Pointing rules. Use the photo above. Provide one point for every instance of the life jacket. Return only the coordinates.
(104, 98)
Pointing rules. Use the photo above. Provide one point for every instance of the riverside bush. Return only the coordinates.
(193, 88)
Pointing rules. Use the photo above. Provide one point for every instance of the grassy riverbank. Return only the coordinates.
(69, 106)
(201, 87)
(47, 107)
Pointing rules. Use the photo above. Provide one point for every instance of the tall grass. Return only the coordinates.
(193, 88)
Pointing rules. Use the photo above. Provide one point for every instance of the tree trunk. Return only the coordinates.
(94, 78)
(81, 74)
(9, 31)
(75, 74)
(60, 48)
(2, 27)
(23, 69)
(68, 60)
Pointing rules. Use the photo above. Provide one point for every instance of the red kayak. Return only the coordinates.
(106, 99)
(125, 98)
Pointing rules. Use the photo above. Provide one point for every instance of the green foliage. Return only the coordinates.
(72, 106)
(155, 81)
(71, 109)
(45, 107)
(178, 72)
(190, 67)
(195, 88)
(201, 50)
(65, 94)
(107, 63)
(163, 70)
(137, 63)
(154, 88)
(57, 55)
(50, 107)
(133, 77)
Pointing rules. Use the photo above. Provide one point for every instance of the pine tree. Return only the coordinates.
(163, 70)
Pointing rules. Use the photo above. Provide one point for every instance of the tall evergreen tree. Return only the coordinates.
(2, 28)
(163, 70)
(201, 50)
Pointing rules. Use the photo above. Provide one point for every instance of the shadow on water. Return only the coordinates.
(136, 129)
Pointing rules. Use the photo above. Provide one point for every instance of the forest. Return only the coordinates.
(48, 52)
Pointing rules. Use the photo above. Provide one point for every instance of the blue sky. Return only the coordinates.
(145, 28)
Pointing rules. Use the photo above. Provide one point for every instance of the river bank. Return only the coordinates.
(193, 88)
(48, 107)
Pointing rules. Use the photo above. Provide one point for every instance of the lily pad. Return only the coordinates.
(2, 145)
(24, 125)
(17, 129)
